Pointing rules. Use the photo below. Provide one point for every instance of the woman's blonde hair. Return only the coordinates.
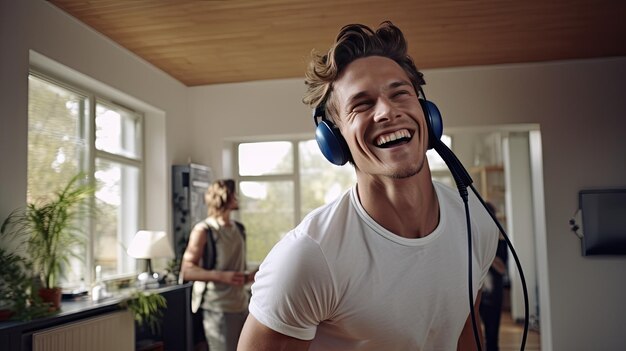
(218, 195)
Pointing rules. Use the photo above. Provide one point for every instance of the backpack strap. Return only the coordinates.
(208, 262)
(209, 259)
(242, 229)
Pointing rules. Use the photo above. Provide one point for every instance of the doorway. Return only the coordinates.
(505, 163)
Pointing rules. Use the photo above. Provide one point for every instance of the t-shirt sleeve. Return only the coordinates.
(486, 240)
(293, 290)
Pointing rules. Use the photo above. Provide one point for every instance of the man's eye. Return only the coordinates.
(362, 106)
(400, 93)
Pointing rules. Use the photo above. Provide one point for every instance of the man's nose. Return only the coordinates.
(384, 110)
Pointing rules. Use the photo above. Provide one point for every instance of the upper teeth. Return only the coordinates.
(383, 139)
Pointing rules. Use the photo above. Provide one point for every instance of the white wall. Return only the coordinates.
(580, 109)
(36, 29)
(264, 108)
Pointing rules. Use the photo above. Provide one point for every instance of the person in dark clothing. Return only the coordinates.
(492, 293)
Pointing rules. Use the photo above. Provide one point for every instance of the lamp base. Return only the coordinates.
(147, 280)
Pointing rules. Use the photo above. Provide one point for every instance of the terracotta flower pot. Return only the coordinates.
(51, 296)
(5, 314)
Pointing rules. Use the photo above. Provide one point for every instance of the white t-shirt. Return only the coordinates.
(344, 281)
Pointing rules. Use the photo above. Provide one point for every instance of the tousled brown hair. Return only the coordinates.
(218, 196)
(355, 41)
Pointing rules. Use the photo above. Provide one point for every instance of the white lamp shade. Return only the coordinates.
(150, 244)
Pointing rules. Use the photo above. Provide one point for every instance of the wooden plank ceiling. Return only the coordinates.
(221, 41)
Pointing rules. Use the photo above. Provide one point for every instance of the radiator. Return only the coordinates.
(114, 331)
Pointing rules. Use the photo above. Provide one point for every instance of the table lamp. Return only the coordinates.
(147, 244)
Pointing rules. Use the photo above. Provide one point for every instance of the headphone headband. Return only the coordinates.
(319, 114)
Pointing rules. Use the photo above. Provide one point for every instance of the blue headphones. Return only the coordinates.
(334, 147)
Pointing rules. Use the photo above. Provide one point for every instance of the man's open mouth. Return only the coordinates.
(392, 139)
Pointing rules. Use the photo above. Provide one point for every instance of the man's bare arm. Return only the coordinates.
(191, 269)
(467, 342)
(257, 337)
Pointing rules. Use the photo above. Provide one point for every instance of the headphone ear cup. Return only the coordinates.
(433, 120)
(332, 144)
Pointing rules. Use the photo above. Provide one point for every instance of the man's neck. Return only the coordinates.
(406, 207)
(223, 219)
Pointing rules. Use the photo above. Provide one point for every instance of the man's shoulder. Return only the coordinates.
(329, 213)
(201, 225)
(447, 191)
(449, 195)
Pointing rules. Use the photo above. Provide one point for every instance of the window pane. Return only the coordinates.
(117, 203)
(56, 151)
(265, 158)
(320, 181)
(117, 130)
(267, 212)
(56, 144)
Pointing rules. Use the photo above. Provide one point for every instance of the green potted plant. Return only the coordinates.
(146, 308)
(51, 232)
(16, 298)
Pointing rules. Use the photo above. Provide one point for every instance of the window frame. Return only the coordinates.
(294, 176)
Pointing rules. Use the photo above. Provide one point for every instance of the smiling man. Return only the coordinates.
(384, 267)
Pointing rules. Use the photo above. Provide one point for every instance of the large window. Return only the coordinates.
(72, 131)
(282, 181)
(279, 183)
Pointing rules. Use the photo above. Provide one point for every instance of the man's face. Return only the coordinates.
(381, 118)
(233, 203)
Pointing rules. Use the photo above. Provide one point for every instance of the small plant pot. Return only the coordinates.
(51, 296)
(5, 314)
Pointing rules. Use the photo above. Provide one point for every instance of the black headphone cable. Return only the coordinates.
(517, 263)
(463, 180)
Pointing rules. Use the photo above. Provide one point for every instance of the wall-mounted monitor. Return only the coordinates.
(603, 221)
